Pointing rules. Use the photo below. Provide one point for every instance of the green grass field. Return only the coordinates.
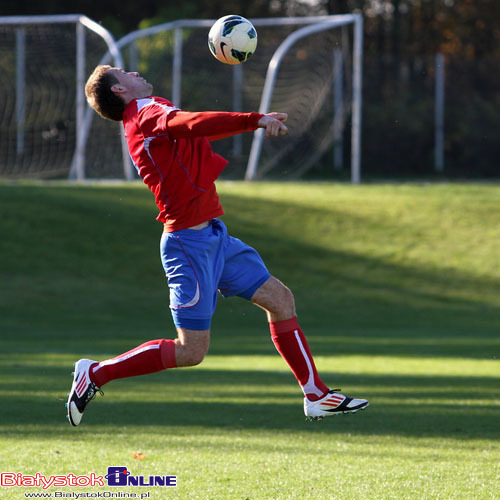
(397, 288)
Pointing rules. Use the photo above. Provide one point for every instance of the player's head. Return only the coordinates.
(109, 90)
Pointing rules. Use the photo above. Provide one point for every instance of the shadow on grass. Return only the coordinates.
(77, 285)
(256, 341)
(75, 289)
(358, 288)
(412, 406)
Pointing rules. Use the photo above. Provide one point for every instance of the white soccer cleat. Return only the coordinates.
(334, 403)
(82, 392)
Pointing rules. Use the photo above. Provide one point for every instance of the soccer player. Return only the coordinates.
(171, 151)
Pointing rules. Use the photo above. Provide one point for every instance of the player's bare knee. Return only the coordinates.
(275, 298)
(288, 297)
(191, 347)
(287, 301)
(189, 357)
(283, 302)
(194, 358)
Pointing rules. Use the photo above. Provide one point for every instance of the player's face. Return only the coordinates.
(132, 81)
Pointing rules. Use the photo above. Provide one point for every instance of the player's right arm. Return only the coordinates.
(210, 124)
(219, 124)
(157, 116)
(273, 123)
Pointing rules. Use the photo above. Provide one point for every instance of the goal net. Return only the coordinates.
(43, 63)
(47, 130)
(313, 85)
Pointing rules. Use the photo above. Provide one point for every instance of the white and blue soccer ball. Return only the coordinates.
(232, 39)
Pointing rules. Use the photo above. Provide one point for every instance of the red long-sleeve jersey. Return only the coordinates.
(171, 151)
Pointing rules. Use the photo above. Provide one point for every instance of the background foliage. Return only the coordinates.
(401, 40)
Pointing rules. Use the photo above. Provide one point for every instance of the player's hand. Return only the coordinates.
(273, 124)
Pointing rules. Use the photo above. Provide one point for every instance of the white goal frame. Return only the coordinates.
(81, 22)
(313, 24)
(272, 71)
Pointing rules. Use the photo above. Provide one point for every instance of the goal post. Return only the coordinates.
(274, 64)
(43, 61)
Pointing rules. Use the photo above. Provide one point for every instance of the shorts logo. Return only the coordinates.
(193, 301)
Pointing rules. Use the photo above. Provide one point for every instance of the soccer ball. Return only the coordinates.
(232, 39)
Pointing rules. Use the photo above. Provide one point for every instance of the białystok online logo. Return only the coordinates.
(120, 476)
(116, 476)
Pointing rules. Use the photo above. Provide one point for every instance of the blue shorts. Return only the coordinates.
(199, 263)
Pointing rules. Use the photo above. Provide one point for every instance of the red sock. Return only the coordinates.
(150, 357)
(292, 345)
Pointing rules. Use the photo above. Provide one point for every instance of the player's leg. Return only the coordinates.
(246, 275)
(276, 299)
(187, 257)
(191, 346)
(278, 302)
(188, 349)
